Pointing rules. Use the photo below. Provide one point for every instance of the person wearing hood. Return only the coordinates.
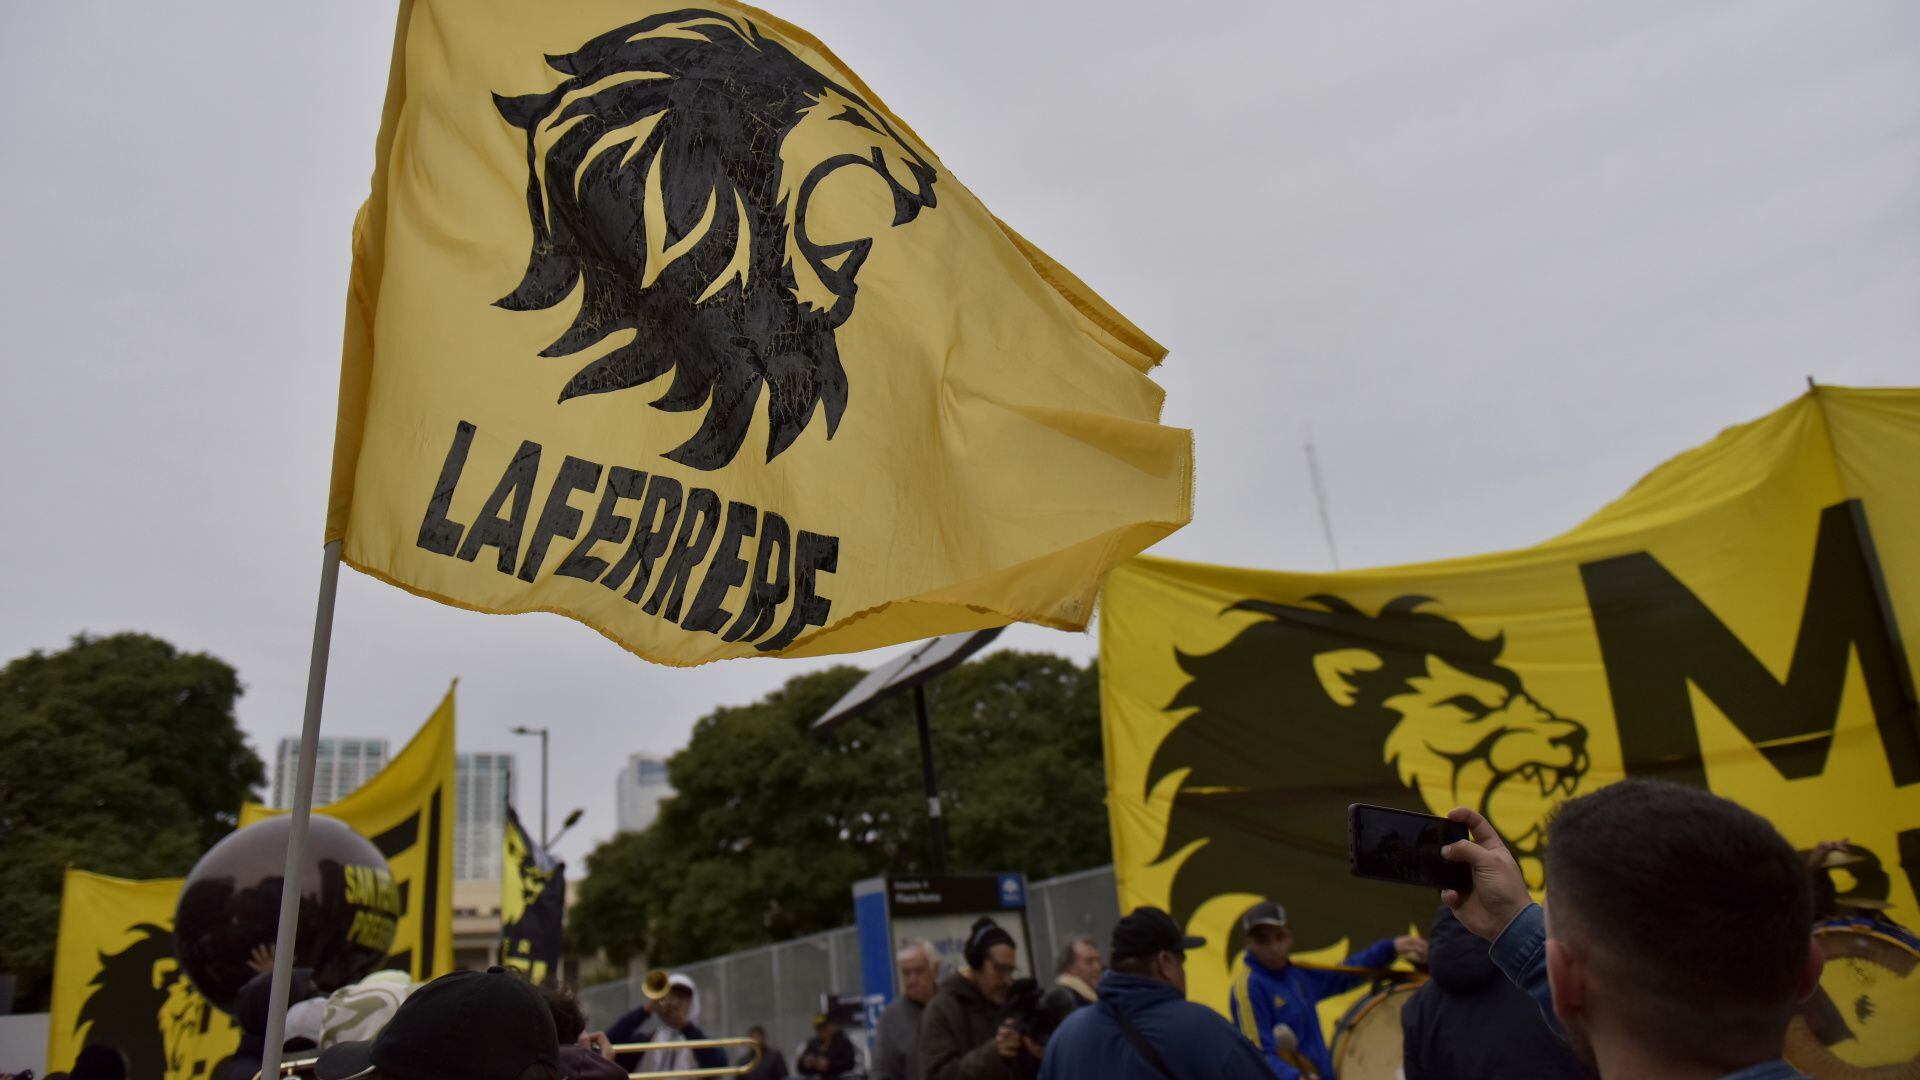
(1274, 999)
(1468, 993)
(962, 1034)
(303, 1024)
(669, 1020)
(1143, 1027)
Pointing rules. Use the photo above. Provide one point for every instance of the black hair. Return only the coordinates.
(680, 992)
(1035, 1012)
(1698, 914)
(98, 1061)
(757, 1030)
(568, 1019)
(984, 935)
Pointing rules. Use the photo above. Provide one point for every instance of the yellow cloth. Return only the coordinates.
(1721, 624)
(407, 810)
(605, 355)
(115, 981)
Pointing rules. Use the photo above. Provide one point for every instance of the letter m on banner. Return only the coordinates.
(1659, 640)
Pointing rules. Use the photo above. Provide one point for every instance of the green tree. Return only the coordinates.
(771, 823)
(122, 757)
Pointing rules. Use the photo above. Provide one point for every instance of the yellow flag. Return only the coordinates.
(407, 810)
(115, 981)
(1734, 621)
(661, 320)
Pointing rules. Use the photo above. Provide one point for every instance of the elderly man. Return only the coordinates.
(1080, 968)
(896, 1053)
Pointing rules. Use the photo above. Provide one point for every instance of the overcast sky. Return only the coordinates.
(1500, 259)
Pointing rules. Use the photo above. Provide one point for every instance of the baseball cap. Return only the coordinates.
(1147, 931)
(468, 1024)
(1264, 913)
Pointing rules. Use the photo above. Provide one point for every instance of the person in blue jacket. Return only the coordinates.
(1143, 1027)
(1271, 991)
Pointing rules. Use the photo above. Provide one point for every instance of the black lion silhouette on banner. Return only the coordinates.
(670, 176)
(1316, 707)
(142, 1005)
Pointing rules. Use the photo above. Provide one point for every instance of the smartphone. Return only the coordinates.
(1400, 845)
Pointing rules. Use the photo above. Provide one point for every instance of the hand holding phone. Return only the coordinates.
(1400, 845)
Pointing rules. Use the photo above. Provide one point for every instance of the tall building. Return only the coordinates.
(340, 766)
(484, 786)
(642, 784)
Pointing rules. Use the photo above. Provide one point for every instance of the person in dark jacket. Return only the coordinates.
(1468, 994)
(962, 1035)
(583, 1055)
(1143, 1028)
(829, 1054)
(773, 1064)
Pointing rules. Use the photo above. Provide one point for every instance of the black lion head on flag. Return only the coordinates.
(670, 178)
(1318, 705)
(141, 1003)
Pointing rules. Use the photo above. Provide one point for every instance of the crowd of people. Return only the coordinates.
(1678, 944)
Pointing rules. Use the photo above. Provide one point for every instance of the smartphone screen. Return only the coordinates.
(1399, 845)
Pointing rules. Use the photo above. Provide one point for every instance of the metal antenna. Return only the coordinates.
(1320, 499)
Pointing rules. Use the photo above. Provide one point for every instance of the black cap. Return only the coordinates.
(1264, 913)
(1148, 931)
(469, 1024)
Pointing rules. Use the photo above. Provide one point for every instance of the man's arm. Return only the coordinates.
(1253, 1017)
(889, 1059)
(1520, 952)
(709, 1057)
(1500, 910)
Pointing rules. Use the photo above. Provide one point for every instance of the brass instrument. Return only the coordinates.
(653, 987)
(691, 1044)
(656, 984)
(305, 1065)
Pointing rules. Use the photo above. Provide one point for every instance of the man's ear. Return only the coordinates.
(1336, 669)
(1810, 976)
(1567, 974)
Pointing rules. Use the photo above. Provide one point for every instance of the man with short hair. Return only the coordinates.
(1143, 1028)
(465, 1025)
(1679, 939)
(829, 1054)
(1274, 994)
(1080, 968)
(896, 1054)
(963, 1036)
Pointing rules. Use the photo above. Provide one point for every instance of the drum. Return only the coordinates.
(1864, 1021)
(1367, 1043)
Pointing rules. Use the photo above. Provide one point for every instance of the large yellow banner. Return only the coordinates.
(1733, 621)
(116, 981)
(407, 811)
(661, 320)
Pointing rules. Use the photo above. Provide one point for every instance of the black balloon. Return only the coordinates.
(231, 904)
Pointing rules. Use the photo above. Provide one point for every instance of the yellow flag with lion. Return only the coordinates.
(1735, 621)
(661, 320)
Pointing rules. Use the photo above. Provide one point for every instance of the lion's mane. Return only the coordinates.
(654, 185)
(1272, 762)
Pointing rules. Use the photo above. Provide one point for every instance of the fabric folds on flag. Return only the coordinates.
(1746, 618)
(661, 320)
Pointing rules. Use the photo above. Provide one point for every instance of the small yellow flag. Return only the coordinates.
(407, 810)
(115, 981)
(661, 320)
(1747, 619)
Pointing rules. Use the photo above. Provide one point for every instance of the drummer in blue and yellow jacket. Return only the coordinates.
(1271, 990)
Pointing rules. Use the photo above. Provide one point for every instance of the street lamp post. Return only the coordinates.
(542, 732)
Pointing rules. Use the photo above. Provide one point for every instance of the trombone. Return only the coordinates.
(654, 987)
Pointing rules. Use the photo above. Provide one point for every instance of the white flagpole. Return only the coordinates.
(302, 809)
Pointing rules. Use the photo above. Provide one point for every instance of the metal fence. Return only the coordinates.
(779, 986)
